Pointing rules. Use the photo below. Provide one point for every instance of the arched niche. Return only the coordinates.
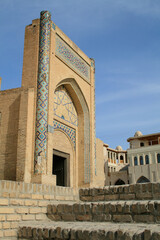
(82, 151)
(119, 182)
(63, 158)
(143, 179)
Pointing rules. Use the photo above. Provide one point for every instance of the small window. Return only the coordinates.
(158, 158)
(141, 160)
(147, 159)
(111, 155)
(142, 144)
(108, 154)
(135, 161)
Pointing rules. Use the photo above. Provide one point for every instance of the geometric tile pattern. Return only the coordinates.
(53, 26)
(95, 160)
(72, 59)
(71, 133)
(64, 107)
(42, 90)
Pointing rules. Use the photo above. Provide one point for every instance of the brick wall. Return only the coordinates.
(117, 211)
(125, 192)
(9, 108)
(21, 201)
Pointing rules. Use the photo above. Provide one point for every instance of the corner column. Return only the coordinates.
(42, 94)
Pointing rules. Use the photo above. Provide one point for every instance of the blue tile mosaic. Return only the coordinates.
(71, 133)
(95, 153)
(42, 89)
(64, 107)
(70, 57)
(53, 26)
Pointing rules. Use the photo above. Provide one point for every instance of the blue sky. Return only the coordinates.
(123, 36)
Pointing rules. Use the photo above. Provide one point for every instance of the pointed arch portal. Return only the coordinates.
(83, 122)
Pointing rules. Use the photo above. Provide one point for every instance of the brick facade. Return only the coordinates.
(21, 122)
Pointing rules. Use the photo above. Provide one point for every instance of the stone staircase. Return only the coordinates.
(111, 213)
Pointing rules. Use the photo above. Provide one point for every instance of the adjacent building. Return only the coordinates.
(115, 165)
(144, 158)
(139, 163)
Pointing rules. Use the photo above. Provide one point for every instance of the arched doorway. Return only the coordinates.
(119, 182)
(63, 159)
(143, 179)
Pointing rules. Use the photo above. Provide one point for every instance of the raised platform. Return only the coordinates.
(21, 201)
(125, 192)
(88, 231)
(40, 212)
(115, 211)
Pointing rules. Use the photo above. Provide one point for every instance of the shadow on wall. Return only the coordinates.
(11, 141)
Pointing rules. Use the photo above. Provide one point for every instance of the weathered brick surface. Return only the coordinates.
(124, 211)
(87, 231)
(145, 191)
(15, 210)
(25, 202)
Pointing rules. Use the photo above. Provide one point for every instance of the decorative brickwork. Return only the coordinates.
(72, 59)
(71, 133)
(95, 160)
(42, 93)
(64, 107)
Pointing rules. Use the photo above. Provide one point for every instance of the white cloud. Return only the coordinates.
(139, 90)
(127, 125)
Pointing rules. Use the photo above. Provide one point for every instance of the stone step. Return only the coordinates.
(140, 191)
(117, 211)
(88, 231)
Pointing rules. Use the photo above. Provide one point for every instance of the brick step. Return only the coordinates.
(88, 231)
(142, 191)
(117, 211)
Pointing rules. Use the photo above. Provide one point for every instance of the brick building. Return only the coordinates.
(47, 126)
(144, 158)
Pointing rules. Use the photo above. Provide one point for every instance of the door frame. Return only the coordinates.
(66, 165)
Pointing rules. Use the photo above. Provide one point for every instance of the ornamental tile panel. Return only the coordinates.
(72, 59)
(64, 107)
(71, 133)
(42, 93)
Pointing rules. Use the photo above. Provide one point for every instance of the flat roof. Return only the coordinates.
(145, 137)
